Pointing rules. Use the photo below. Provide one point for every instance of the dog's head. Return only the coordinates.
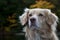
(37, 18)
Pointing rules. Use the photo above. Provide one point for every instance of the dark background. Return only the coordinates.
(10, 10)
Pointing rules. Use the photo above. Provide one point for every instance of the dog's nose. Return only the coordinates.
(32, 20)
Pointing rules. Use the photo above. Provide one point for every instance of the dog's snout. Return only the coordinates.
(32, 20)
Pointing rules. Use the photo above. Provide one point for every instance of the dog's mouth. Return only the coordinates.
(33, 26)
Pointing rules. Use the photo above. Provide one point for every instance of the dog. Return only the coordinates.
(40, 24)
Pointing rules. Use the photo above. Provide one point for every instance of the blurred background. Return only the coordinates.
(10, 10)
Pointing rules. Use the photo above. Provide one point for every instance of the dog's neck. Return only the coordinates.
(41, 34)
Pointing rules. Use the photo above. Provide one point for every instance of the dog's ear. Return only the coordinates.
(23, 17)
(52, 19)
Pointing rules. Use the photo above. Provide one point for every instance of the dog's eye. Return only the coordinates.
(40, 15)
(30, 14)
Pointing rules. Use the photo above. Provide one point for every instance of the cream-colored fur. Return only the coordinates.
(44, 26)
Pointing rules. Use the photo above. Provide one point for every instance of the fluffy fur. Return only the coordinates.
(41, 24)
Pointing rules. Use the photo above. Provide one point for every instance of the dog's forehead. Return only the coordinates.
(32, 11)
(37, 11)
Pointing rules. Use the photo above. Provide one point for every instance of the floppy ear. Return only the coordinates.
(52, 21)
(52, 18)
(23, 17)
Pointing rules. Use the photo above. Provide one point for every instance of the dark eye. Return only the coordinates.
(40, 15)
(30, 14)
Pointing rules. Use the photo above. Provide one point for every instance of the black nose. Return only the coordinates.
(32, 20)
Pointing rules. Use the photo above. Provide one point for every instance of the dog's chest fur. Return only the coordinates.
(38, 35)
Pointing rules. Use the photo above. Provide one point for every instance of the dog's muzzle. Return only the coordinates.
(33, 23)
